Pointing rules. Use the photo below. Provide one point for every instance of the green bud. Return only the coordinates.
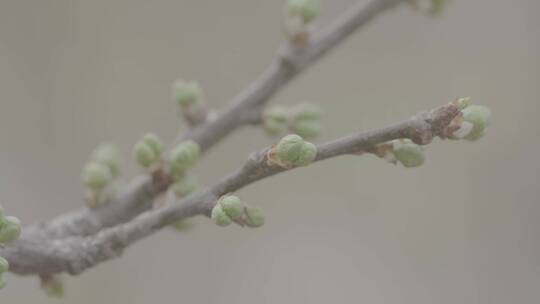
(1, 213)
(187, 92)
(306, 129)
(144, 154)
(53, 286)
(292, 150)
(4, 265)
(308, 111)
(232, 206)
(96, 175)
(153, 141)
(274, 127)
(307, 9)
(10, 231)
(2, 282)
(408, 153)
(185, 186)
(479, 117)
(220, 217)
(254, 217)
(108, 155)
(437, 6)
(464, 102)
(275, 120)
(184, 156)
(182, 225)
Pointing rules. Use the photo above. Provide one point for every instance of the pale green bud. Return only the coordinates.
(187, 92)
(437, 6)
(53, 286)
(184, 156)
(308, 111)
(144, 154)
(254, 217)
(153, 141)
(232, 206)
(479, 117)
(292, 150)
(1, 213)
(275, 120)
(274, 127)
(306, 128)
(10, 231)
(96, 175)
(108, 155)
(220, 217)
(185, 185)
(307, 9)
(408, 153)
(183, 225)
(464, 102)
(4, 265)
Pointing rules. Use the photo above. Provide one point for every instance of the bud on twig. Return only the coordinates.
(299, 15)
(292, 151)
(190, 98)
(184, 156)
(108, 154)
(408, 153)
(96, 175)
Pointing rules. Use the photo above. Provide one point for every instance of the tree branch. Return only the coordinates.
(75, 254)
(244, 109)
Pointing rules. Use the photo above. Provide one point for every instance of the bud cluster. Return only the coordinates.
(403, 151)
(303, 119)
(299, 15)
(147, 151)
(229, 209)
(190, 98)
(99, 173)
(292, 151)
(53, 286)
(10, 230)
(429, 7)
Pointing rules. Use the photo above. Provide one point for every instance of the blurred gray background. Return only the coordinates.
(461, 229)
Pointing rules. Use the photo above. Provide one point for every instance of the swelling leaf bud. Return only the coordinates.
(10, 230)
(96, 175)
(307, 9)
(408, 153)
(185, 185)
(254, 217)
(479, 117)
(53, 286)
(4, 265)
(220, 217)
(275, 120)
(108, 155)
(144, 154)
(153, 141)
(184, 156)
(183, 225)
(187, 93)
(306, 129)
(308, 111)
(232, 206)
(292, 150)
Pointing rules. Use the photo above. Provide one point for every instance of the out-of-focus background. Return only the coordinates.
(461, 229)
